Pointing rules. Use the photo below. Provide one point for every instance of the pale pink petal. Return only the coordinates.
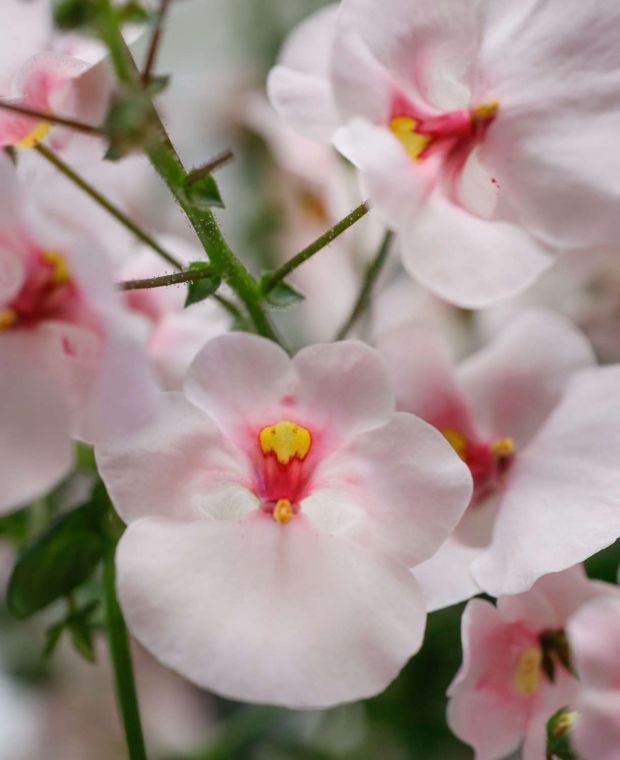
(469, 261)
(171, 467)
(43, 75)
(594, 635)
(514, 383)
(344, 387)
(555, 70)
(445, 578)
(239, 380)
(562, 502)
(409, 481)
(423, 375)
(35, 443)
(487, 718)
(551, 698)
(397, 186)
(299, 87)
(429, 44)
(270, 613)
(597, 733)
(27, 33)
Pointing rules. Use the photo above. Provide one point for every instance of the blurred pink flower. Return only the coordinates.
(539, 428)
(274, 511)
(504, 694)
(71, 362)
(485, 132)
(594, 637)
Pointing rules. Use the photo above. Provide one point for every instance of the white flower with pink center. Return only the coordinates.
(516, 670)
(274, 511)
(539, 428)
(485, 132)
(71, 362)
(594, 637)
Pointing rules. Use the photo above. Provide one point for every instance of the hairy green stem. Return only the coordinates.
(121, 662)
(121, 217)
(320, 243)
(177, 278)
(368, 283)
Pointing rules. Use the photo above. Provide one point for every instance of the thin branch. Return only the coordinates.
(106, 204)
(210, 167)
(63, 121)
(373, 271)
(178, 278)
(155, 40)
(320, 243)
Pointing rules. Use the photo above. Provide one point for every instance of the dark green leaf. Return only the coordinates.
(132, 13)
(157, 84)
(200, 289)
(130, 125)
(74, 14)
(203, 193)
(52, 638)
(282, 295)
(59, 560)
(81, 634)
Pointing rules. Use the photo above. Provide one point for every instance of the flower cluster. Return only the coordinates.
(279, 507)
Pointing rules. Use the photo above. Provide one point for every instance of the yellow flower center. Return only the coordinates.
(527, 674)
(283, 511)
(457, 441)
(286, 440)
(37, 135)
(8, 317)
(484, 112)
(60, 271)
(503, 448)
(403, 127)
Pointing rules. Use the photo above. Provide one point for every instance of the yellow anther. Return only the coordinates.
(8, 317)
(60, 271)
(457, 441)
(527, 675)
(33, 138)
(564, 723)
(484, 112)
(403, 127)
(283, 511)
(503, 448)
(286, 439)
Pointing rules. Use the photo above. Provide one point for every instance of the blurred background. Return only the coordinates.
(280, 193)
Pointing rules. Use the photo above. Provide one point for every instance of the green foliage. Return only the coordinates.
(203, 288)
(71, 15)
(282, 295)
(60, 559)
(79, 625)
(203, 193)
(130, 125)
(559, 727)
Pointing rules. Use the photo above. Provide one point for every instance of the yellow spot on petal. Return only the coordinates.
(286, 439)
(484, 112)
(283, 511)
(527, 675)
(33, 138)
(60, 271)
(8, 317)
(503, 448)
(457, 441)
(403, 127)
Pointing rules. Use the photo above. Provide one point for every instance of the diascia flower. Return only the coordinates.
(273, 513)
(71, 362)
(516, 670)
(539, 428)
(485, 131)
(594, 636)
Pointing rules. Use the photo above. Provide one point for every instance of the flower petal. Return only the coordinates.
(445, 578)
(276, 614)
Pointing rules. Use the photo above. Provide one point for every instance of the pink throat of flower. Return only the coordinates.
(448, 133)
(283, 472)
(49, 293)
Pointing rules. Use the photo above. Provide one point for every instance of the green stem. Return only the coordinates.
(121, 661)
(373, 271)
(320, 243)
(70, 174)
(178, 278)
(167, 164)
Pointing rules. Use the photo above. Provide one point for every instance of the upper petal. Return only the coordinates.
(272, 613)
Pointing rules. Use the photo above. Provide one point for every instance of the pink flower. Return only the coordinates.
(44, 71)
(485, 132)
(540, 431)
(594, 636)
(70, 363)
(274, 511)
(515, 671)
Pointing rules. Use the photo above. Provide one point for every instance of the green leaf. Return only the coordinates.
(74, 14)
(157, 84)
(81, 634)
(203, 193)
(132, 12)
(200, 289)
(62, 558)
(281, 295)
(559, 727)
(52, 638)
(130, 125)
